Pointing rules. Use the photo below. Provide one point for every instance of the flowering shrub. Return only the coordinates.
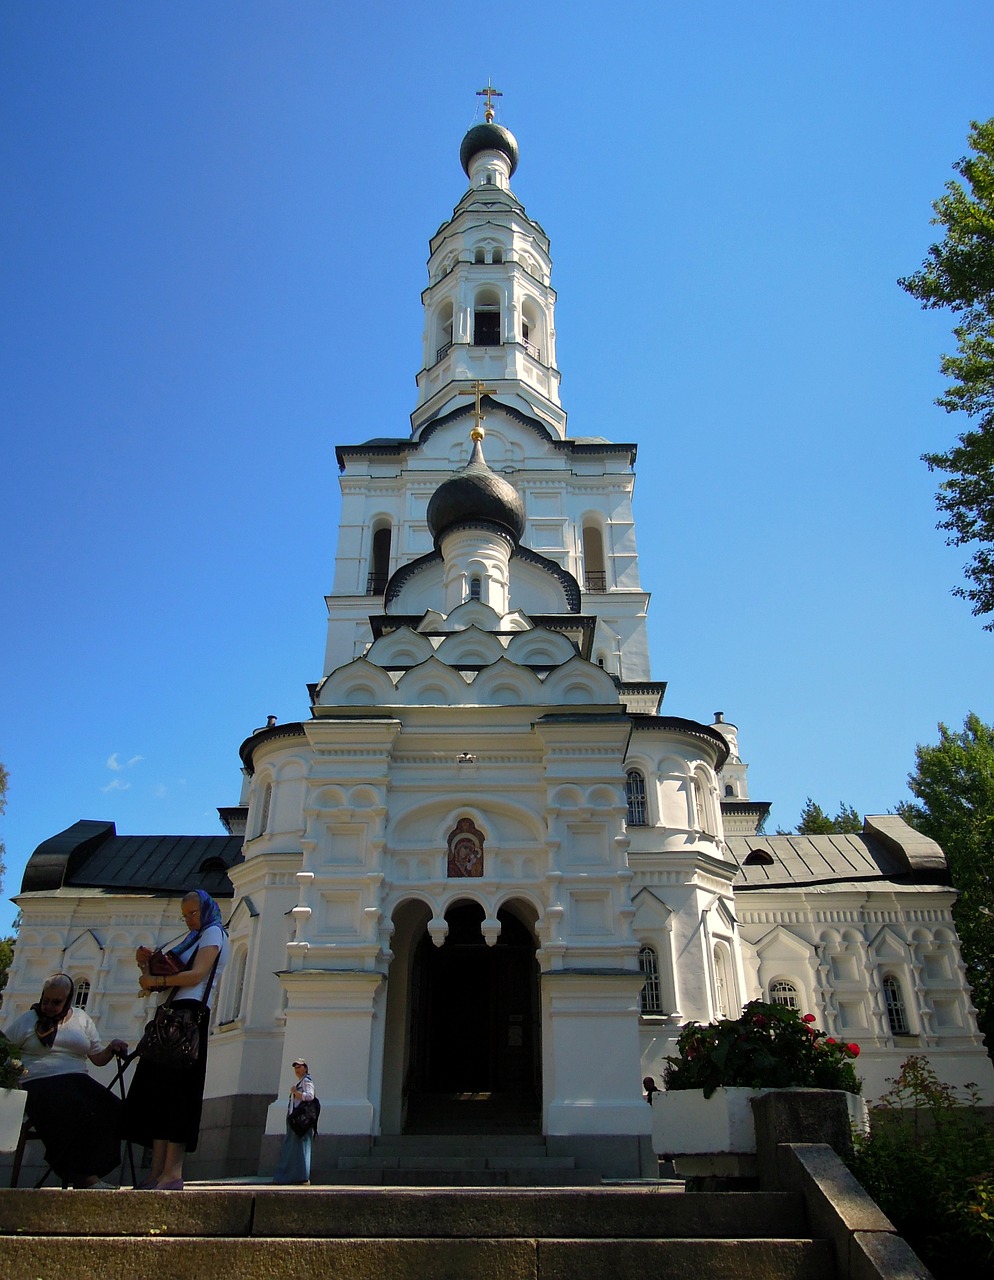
(928, 1161)
(11, 1069)
(769, 1047)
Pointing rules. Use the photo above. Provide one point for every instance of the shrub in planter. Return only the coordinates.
(769, 1047)
(11, 1069)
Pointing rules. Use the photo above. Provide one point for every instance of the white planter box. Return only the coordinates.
(684, 1122)
(11, 1114)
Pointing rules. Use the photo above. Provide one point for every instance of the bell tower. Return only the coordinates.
(489, 305)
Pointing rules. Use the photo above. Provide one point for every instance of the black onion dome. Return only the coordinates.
(476, 495)
(488, 137)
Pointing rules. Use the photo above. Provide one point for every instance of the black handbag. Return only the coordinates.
(172, 1036)
(304, 1117)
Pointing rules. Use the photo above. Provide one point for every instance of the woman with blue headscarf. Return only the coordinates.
(164, 1103)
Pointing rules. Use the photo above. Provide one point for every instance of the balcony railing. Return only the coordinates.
(376, 583)
(531, 348)
(595, 581)
(443, 351)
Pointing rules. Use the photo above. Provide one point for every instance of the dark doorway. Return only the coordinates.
(474, 1029)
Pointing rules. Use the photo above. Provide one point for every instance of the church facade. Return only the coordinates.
(487, 878)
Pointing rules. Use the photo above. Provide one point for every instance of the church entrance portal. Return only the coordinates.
(474, 1064)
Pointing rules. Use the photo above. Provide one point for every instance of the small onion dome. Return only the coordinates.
(488, 137)
(476, 495)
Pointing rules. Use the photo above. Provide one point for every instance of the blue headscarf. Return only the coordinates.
(210, 914)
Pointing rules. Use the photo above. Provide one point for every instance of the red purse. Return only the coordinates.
(163, 964)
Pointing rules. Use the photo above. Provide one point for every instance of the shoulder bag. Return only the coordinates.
(172, 1036)
(304, 1117)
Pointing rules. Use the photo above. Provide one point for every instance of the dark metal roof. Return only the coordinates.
(881, 851)
(91, 854)
(671, 724)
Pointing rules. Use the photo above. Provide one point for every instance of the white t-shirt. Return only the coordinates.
(75, 1040)
(212, 936)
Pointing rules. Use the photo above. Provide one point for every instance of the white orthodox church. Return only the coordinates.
(485, 879)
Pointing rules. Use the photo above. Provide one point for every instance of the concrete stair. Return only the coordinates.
(405, 1233)
(446, 1160)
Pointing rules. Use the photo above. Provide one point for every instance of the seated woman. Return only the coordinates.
(78, 1120)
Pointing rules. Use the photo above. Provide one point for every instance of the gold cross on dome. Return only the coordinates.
(479, 390)
(489, 93)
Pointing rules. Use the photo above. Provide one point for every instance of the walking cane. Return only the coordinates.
(124, 1061)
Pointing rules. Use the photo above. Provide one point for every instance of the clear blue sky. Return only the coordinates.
(216, 218)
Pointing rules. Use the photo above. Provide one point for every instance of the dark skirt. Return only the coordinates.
(79, 1121)
(164, 1103)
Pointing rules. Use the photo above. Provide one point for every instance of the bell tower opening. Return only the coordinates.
(474, 1029)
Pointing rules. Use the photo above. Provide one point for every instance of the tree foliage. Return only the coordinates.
(958, 273)
(814, 821)
(954, 788)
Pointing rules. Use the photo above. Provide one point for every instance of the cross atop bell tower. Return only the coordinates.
(489, 93)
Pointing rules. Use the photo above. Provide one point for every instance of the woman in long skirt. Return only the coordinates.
(295, 1154)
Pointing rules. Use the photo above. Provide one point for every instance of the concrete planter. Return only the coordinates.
(684, 1122)
(11, 1114)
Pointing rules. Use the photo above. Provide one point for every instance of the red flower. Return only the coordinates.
(829, 1040)
(853, 1049)
(759, 1020)
(808, 1017)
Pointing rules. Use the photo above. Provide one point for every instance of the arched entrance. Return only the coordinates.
(474, 1031)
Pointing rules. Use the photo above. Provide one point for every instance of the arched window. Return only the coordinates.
(379, 562)
(475, 587)
(486, 319)
(722, 983)
(479, 256)
(784, 992)
(897, 1014)
(650, 1000)
(729, 790)
(82, 997)
(635, 798)
(236, 988)
(266, 805)
(444, 329)
(498, 255)
(594, 572)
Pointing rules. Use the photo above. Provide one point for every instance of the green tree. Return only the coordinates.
(958, 273)
(953, 784)
(814, 821)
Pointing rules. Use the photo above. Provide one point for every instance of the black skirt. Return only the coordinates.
(79, 1121)
(164, 1103)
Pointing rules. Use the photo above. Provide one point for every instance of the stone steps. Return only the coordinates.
(604, 1233)
(447, 1160)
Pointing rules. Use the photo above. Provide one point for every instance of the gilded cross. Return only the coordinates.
(478, 391)
(489, 93)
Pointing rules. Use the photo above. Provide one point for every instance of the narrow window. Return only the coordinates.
(479, 256)
(475, 588)
(238, 984)
(379, 567)
(650, 1001)
(783, 992)
(267, 800)
(594, 574)
(729, 790)
(82, 997)
(498, 255)
(635, 797)
(722, 984)
(897, 1015)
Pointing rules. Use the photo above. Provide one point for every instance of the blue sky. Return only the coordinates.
(216, 218)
